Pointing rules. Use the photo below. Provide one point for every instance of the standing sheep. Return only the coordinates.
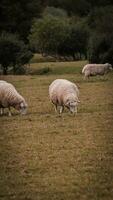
(96, 69)
(9, 97)
(64, 93)
(2, 109)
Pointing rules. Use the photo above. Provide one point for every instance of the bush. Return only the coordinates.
(101, 49)
(59, 37)
(13, 52)
(47, 34)
(55, 12)
(19, 70)
(41, 71)
(100, 46)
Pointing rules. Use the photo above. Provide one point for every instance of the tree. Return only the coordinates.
(101, 48)
(75, 44)
(79, 7)
(73, 7)
(59, 37)
(47, 34)
(55, 12)
(100, 20)
(16, 16)
(13, 52)
(101, 40)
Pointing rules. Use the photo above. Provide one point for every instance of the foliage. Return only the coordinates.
(40, 71)
(13, 52)
(47, 34)
(101, 40)
(16, 16)
(100, 49)
(19, 70)
(101, 20)
(55, 12)
(56, 26)
(54, 36)
(79, 7)
(76, 43)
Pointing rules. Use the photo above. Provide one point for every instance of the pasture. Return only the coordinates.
(44, 156)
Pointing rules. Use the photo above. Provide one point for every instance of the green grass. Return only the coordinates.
(47, 157)
(56, 68)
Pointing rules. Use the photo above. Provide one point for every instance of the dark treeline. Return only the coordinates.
(65, 29)
(16, 16)
(79, 7)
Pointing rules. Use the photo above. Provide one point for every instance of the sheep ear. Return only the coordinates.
(78, 101)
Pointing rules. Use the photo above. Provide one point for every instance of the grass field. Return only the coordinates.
(47, 157)
(56, 68)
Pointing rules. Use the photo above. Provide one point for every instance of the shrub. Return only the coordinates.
(100, 49)
(13, 52)
(41, 71)
(58, 37)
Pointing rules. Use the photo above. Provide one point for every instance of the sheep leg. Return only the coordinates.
(55, 108)
(86, 77)
(1, 111)
(9, 112)
(61, 109)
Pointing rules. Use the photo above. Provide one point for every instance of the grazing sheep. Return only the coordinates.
(9, 97)
(64, 93)
(1, 81)
(96, 69)
(2, 109)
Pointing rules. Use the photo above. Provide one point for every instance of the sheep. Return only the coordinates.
(1, 109)
(96, 69)
(2, 81)
(64, 93)
(9, 97)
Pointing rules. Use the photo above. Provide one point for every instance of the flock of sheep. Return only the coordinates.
(62, 93)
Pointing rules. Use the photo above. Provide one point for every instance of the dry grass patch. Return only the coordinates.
(47, 157)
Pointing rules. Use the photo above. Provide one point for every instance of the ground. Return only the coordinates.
(44, 156)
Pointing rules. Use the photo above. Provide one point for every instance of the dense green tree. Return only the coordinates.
(13, 52)
(16, 16)
(58, 36)
(55, 12)
(101, 48)
(99, 3)
(73, 7)
(100, 22)
(75, 44)
(79, 7)
(47, 34)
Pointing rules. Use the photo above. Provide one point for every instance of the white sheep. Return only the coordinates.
(64, 93)
(96, 69)
(9, 97)
(2, 81)
(2, 109)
